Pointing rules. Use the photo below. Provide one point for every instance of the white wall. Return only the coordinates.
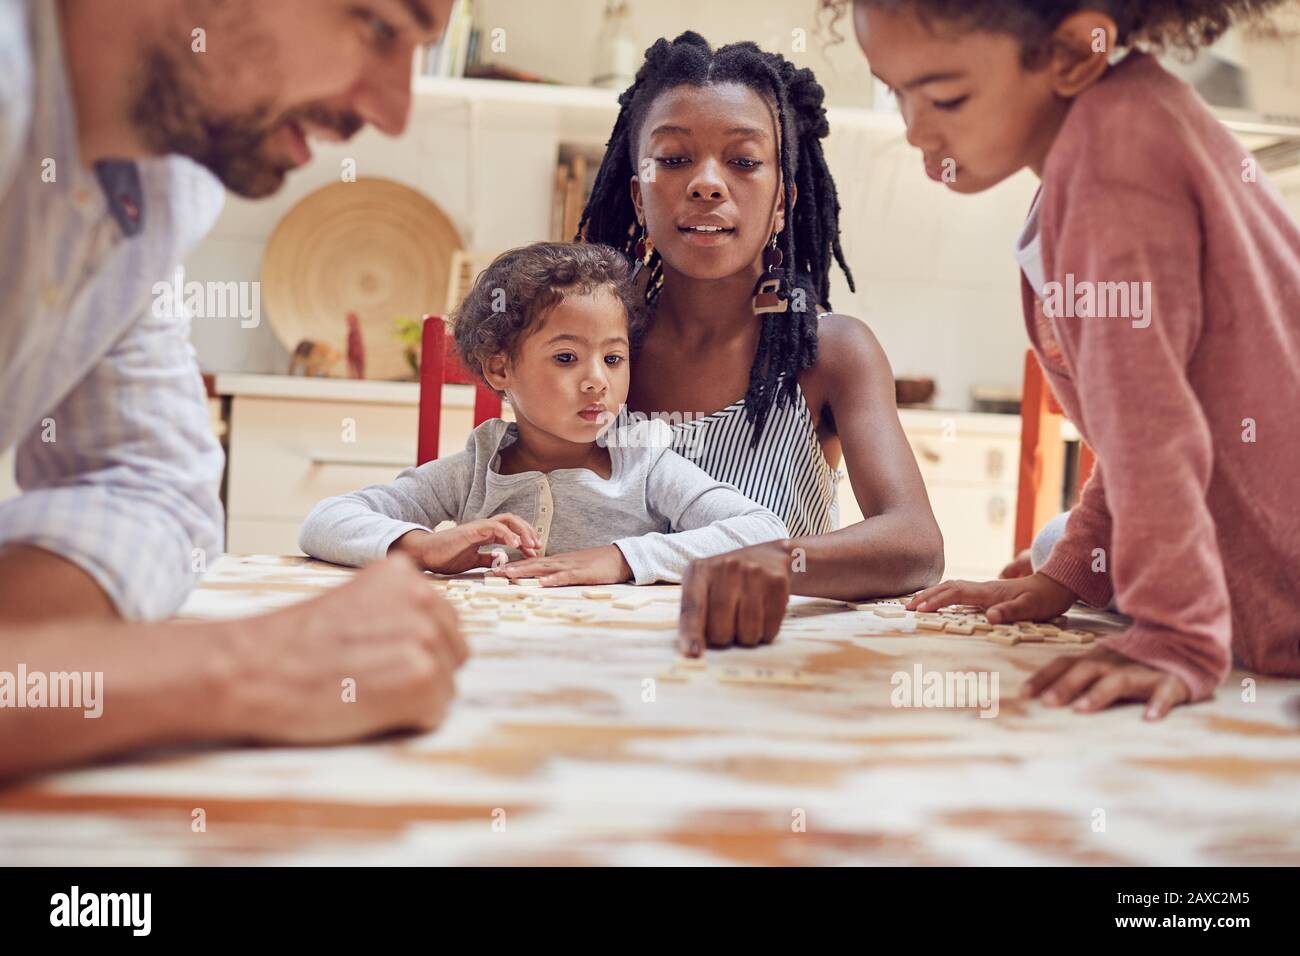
(935, 276)
(430, 156)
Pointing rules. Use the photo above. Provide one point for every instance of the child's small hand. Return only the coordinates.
(589, 566)
(457, 549)
(1033, 598)
(1103, 677)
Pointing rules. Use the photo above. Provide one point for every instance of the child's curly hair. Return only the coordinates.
(511, 297)
(1186, 25)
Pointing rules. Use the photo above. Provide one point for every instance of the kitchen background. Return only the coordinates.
(504, 160)
(936, 280)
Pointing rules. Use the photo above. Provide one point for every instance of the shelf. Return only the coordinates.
(589, 99)
(336, 390)
(517, 94)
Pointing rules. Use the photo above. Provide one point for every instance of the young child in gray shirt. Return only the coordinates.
(569, 496)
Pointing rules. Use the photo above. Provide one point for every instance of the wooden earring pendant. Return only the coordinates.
(771, 293)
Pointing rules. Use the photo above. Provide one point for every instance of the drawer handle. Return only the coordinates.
(929, 454)
(994, 463)
(997, 510)
(378, 461)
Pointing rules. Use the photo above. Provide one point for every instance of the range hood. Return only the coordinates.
(1274, 139)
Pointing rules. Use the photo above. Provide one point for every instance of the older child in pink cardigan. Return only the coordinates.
(1161, 284)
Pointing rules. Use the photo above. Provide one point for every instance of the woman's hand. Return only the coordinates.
(735, 598)
(1033, 598)
(589, 566)
(1103, 677)
(457, 549)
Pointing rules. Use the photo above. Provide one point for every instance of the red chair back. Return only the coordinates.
(440, 366)
(1042, 456)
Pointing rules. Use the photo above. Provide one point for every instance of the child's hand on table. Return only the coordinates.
(1103, 677)
(457, 549)
(1091, 682)
(1033, 598)
(589, 566)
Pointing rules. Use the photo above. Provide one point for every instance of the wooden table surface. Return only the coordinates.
(553, 755)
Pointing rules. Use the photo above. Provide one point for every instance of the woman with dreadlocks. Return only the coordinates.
(1185, 386)
(714, 183)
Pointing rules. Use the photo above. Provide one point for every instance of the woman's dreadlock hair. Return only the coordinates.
(811, 236)
(1186, 25)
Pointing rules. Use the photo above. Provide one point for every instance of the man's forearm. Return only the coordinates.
(162, 684)
(38, 586)
(885, 555)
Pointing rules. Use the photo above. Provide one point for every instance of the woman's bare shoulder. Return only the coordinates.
(847, 352)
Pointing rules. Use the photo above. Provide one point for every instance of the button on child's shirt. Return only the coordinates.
(545, 510)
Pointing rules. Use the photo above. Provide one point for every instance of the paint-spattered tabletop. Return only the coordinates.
(567, 746)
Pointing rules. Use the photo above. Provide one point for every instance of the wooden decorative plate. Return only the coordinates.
(373, 247)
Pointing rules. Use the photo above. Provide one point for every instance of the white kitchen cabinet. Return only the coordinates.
(295, 441)
(969, 464)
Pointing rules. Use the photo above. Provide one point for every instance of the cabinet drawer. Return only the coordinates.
(952, 457)
(286, 455)
(978, 526)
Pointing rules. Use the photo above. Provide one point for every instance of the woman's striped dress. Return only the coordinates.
(786, 472)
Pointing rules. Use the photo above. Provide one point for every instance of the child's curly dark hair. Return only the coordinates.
(511, 296)
(1186, 25)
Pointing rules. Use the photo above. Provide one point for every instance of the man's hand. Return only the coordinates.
(386, 631)
(1103, 677)
(38, 586)
(1033, 598)
(735, 598)
(457, 549)
(589, 566)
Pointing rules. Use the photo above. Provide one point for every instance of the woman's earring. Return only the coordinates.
(645, 248)
(771, 293)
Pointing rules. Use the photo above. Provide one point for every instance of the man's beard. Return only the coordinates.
(169, 115)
